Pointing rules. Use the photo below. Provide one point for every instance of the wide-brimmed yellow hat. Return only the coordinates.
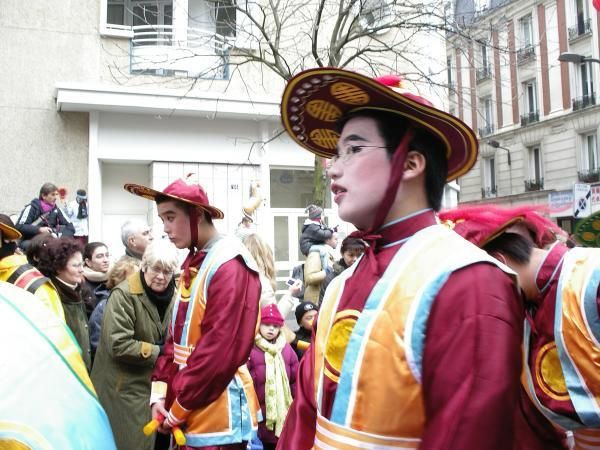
(8, 230)
(314, 100)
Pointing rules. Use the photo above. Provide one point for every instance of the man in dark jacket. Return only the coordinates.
(42, 216)
(313, 231)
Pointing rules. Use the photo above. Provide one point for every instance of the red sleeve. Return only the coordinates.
(299, 428)
(293, 368)
(472, 362)
(228, 330)
(165, 368)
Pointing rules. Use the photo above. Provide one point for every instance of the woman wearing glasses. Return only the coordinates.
(133, 332)
(61, 260)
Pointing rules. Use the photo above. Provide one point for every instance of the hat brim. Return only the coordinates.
(151, 194)
(314, 100)
(478, 235)
(9, 233)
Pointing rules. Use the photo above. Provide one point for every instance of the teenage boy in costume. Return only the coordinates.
(560, 289)
(200, 382)
(417, 344)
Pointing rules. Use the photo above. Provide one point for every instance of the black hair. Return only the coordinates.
(90, 248)
(513, 245)
(187, 207)
(392, 128)
(351, 243)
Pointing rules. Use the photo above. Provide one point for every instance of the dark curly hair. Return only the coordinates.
(57, 255)
(90, 248)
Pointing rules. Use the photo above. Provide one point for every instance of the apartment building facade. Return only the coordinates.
(537, 118)
(104, 92)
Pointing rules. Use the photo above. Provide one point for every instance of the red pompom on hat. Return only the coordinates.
(270, 315)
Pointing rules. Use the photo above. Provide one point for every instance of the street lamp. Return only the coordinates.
(576, 58)
(496, 144)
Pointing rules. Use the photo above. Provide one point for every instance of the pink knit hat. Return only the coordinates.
(270, 315)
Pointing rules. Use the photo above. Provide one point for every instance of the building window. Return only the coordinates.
(586, 90)
(582, 21)
(526, 50)
(489, 178)
(487, 113)
(589, 154)
(530, 106)
(374, 13)
(481, 6)
(484, 71)
(449, 72)
(535, 182)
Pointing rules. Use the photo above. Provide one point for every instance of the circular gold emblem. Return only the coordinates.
(588, 236)
(323, 110)
(549, 373)
(349, 93)
(324, 138)
(596, 225)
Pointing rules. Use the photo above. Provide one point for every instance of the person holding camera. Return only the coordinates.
(43, 216)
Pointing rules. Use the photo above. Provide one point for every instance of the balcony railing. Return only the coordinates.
(582, 27)
(158, 49)
(489, 191)
(484, 73)
(486, 131)
(589, 175)
(530, 118)
(536, 184)
(584, 101)
(525, 54)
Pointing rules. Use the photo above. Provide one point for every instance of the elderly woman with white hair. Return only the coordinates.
(134, 329)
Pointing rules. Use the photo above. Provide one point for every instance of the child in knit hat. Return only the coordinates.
(273, 366)
(313, 230)
(305, 315)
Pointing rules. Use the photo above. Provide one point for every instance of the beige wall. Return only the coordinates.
(42, 45)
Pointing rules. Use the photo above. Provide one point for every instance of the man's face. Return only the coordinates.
(308, 319)
(50, 197)
(139, 240)
(176, 223)
(360, 176)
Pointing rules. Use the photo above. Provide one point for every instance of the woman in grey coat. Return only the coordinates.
(134, 329)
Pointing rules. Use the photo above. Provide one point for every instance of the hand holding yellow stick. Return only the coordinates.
(152, 426)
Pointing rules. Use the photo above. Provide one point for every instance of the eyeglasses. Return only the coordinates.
(349, 152)
(157, 270)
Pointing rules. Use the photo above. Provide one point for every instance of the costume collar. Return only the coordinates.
(398, 230)
(549, 268)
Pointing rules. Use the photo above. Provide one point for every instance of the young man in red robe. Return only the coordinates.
(417, 345)
(200, 382)
(560, 291)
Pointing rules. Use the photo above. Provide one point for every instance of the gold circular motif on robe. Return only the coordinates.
(338, 338)
(323, 110)
(549, 373)
(324, 138)
(588, 236)
(349, 94)
(596, 225)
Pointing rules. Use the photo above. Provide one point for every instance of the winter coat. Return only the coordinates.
(313, 233)
(95, 324)
(258, 371)
(80, 225)
(32, 219)
(302, 335)
(132, 333)
(338, 268)
(75, 317)
(313, 277)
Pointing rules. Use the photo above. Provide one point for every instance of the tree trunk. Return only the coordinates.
(319, 183)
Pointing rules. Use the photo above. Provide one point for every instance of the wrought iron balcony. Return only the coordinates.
(484, 73)
(589, 175)
(525, 54)
(582, 27)
(489, 191)
(530, 118)
(486, 130)
(584, 101)
(535, 184)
